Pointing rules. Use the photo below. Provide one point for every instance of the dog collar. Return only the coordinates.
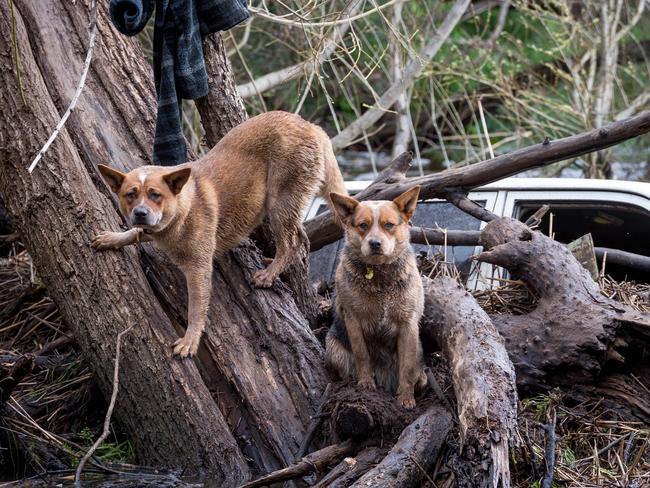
(369, 272)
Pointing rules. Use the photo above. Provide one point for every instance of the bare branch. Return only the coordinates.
(327, 48)
(109, 412)
(411, 72)
(501, 22)
(307, 24)
(322, 229)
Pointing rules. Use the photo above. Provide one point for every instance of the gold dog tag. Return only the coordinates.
(369, 273)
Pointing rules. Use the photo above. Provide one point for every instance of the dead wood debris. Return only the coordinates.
(597, 444)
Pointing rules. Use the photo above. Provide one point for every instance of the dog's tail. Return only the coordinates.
(332, 178)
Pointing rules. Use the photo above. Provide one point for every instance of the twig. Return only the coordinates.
(306, 24)
(441, 395)
(459, 199)
(322, 52)
(109, 412)
(501, 23)
(550, 451)
(75, 98)
(315, 423)
(535, 219)
(485, 129)
(411, 72)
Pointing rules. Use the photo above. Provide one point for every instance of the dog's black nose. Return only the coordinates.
(375, 244)
(140, 211)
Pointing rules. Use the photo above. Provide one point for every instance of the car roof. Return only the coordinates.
(548, 184)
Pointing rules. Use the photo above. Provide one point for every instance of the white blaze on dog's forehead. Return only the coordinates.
(375, 206)
(143, 176)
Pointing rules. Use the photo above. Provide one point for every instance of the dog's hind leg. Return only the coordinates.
(288, 193)
(284, 219)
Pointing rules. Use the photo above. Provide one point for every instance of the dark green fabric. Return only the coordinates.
(178, 64)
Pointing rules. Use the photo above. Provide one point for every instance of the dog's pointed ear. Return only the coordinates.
(407, 202)
(177, 179)
(343, 205)
(112, 177)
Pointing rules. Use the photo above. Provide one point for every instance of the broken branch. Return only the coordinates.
(315, 461)
(413, 454)
(323, 230)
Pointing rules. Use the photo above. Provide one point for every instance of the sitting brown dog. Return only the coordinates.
(271, 165)
(379, 298)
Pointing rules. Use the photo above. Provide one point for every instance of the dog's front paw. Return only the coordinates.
(263, 278)
(186, 346)
(106, 240)
(367, 383)
(406, 401)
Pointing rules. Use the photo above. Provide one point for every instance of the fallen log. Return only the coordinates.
(352, 468)
(623, 258)
(450, 237)
(574, 331)
(483, 378)
(413, 454)
(323, 230)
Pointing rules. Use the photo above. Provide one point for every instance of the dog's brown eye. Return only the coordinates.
(363, 226)
(388, 225)
(131, 195)
(155, 196)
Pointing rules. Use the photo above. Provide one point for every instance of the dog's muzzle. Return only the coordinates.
(141, 216)
(375, 247)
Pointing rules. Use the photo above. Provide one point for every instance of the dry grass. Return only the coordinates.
(50, 416)
(596, 447)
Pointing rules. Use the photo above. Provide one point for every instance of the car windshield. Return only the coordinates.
(611, 224)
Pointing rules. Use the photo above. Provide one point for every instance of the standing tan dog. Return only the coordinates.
(271, 165)
(379, 298)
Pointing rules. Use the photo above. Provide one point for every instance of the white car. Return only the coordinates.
(616, 213)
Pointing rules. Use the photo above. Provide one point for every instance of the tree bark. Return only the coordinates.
(163, 404)
(575, 331)
(323, 230)
(222, 108)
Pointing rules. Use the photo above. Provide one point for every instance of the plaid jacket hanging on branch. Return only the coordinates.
(178, 64)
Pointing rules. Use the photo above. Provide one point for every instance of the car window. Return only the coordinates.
(431, 214)
(611, 224)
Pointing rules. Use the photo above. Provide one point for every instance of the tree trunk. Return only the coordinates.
(259, 355)
(164, 405)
